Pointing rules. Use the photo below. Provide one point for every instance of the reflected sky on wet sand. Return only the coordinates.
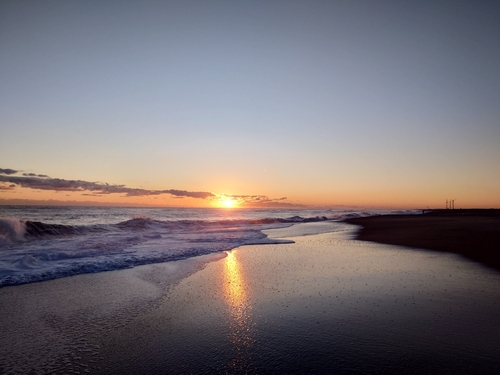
(241, 325)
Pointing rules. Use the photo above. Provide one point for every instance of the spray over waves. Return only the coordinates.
(11, 231)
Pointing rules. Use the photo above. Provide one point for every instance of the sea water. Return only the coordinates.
(42, 243)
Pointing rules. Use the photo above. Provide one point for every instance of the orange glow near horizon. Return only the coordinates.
(224, 201)
(353, 197)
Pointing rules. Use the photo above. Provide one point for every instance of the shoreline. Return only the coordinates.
(474, 233)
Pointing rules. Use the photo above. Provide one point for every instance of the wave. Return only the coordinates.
(13, 230)
(36, 229)
(36, 250)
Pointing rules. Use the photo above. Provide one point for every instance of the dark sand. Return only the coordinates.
(474, 234)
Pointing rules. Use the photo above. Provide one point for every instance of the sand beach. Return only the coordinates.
(473, 233)
(327, 303)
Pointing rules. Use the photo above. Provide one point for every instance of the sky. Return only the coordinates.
(255, 103)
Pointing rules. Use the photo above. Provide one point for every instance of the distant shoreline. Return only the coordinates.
(473, 233)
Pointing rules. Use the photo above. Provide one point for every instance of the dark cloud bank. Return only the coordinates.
(43, 182)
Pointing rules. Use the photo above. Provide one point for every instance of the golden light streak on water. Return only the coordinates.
(241, 324)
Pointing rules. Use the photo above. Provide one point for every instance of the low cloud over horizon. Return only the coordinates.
(11, 178)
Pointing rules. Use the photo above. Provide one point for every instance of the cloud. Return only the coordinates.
(190, 194)
(34, 175)
(257, 201)
(8, 171)
(7, 187)
(43, 182)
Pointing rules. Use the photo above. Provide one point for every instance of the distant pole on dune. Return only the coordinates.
(447, 204)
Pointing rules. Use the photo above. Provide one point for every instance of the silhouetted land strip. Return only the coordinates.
(473, 233)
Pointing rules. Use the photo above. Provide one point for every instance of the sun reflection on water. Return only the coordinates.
(241, 324)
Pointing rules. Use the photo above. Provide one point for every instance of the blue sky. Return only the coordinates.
(325, 102)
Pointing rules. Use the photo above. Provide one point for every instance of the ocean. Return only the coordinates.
(42, 243)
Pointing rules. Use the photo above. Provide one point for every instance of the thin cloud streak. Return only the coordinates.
(259, 201)
(7, 171)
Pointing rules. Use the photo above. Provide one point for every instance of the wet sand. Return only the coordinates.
(474, 234)
(325, 304)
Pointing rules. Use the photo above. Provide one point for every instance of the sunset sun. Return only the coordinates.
(228, 203)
